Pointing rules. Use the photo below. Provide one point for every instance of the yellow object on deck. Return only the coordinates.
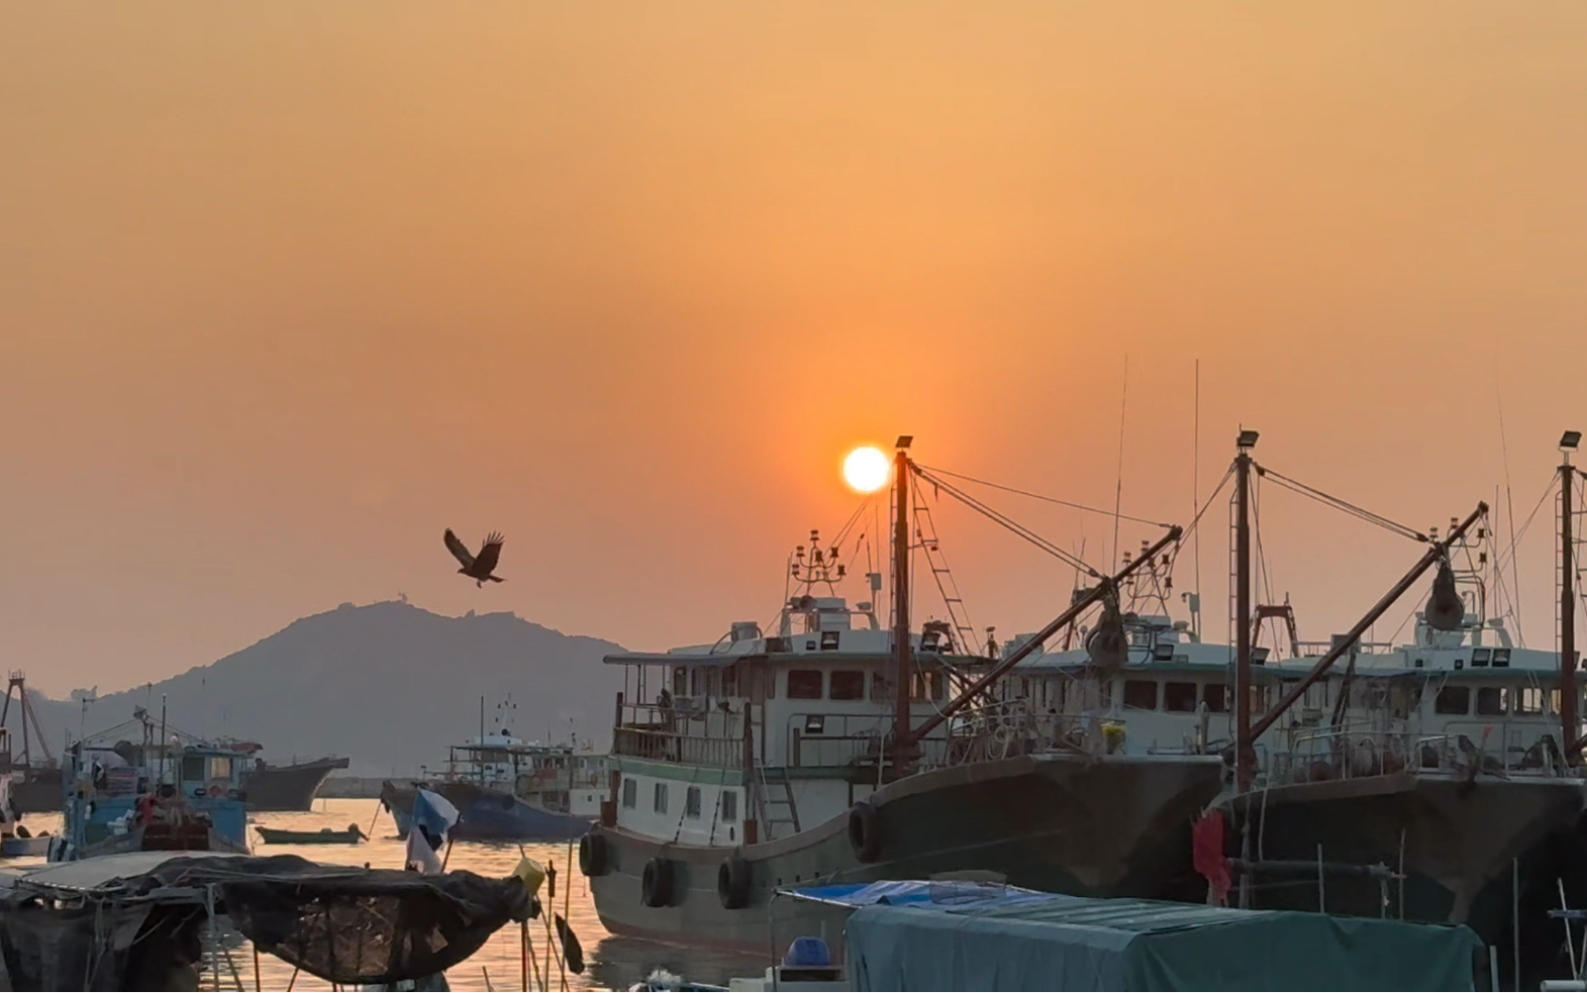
(531, 873)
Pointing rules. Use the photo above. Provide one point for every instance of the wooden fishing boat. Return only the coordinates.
(324, 836)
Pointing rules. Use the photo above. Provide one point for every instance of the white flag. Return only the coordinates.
(433, 819)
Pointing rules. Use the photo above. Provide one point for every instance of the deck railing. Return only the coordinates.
(1495, 748)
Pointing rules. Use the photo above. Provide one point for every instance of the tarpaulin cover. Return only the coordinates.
(914, 935)
(346, 925)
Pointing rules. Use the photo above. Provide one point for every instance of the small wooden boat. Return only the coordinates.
(324, 836)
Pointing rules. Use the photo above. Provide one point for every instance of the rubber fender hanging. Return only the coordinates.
(592, 854)
(865, 831)
(655, 886)
(732, 883)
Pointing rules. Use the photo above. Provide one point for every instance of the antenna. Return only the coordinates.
(1118, 493)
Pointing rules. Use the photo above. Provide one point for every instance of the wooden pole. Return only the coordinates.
(258, 984)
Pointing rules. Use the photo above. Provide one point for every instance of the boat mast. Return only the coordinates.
(904, 750)
(1569, 732)
(1245, 751)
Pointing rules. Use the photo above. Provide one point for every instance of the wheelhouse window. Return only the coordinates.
(1140, 694)
(1216, 697)
(680, 681)
(730, 806)
(658, 801)
(1453, 700)
(691, 803)
(1179, 698)
(880, 689)
(927, 685)
(630, 793)
(1529, 700)
(1493, 701)
(730, 680)
(848, 684)
(192, 768)
(804, 684)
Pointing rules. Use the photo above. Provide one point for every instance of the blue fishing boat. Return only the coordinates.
(484, 814)
(161, 793)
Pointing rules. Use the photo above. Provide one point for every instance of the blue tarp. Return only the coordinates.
(969, 936)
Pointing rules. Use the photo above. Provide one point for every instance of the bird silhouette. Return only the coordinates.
(477, 567)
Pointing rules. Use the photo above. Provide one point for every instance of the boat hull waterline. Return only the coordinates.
(1096, 826)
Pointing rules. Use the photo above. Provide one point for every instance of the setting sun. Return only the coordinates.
(866, 469)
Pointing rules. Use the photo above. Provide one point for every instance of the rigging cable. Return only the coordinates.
(1342, 505)
(1037, 496)
(1006, 522)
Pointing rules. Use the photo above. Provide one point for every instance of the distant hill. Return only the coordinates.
(389, 685)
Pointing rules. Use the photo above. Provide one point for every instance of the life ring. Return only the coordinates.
(655, 886)
(865, 831)
(216, 792)
(592, 854)
(732, 883)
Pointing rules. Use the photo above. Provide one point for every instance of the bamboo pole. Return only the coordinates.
(258, 984)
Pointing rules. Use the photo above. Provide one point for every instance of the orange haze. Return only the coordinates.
(288, 288)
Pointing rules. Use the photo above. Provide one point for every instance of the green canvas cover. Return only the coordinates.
(1076, 943)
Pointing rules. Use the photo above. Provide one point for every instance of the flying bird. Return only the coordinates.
(477, 567)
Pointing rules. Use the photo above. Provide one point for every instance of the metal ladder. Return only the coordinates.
(770, 802)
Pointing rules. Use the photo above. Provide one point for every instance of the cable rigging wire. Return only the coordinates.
(1037, 496)
(1002, 520)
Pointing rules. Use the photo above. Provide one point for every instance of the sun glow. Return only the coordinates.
(867, 469)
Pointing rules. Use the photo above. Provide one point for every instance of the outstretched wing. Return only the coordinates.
(458, 549)
(489, 553)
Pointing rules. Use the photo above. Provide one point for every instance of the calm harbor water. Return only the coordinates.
(611, 963)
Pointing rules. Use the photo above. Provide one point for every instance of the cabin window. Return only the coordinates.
(730, 806)
(927, 682)
(1179, 698)
(1140, 694)
(848, 684)
(696, 681)
(1479, 657)
(730, 681)
(658, 801)
(680, 681)
(713, 682)
(880, 690)
(1529, 700)
(630, 793)
(1216, 697)
(1492, 701)
(1453, 700)
(192, 768)
(691, 803)
(804, 684)
(1553, 701)
(220, 767)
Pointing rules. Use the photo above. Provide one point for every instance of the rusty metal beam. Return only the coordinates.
(1075, 610)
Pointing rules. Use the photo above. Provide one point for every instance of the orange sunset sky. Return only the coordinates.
(288, 288)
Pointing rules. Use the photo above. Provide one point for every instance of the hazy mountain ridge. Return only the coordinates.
(389, 685)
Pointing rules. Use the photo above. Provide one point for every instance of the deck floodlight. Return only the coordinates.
(904, 441)
(1247, 439)
(1569, 440)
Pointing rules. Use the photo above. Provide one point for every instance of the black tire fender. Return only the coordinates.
(593, 854)
(865, 831)
(733, 883)
(655, 889)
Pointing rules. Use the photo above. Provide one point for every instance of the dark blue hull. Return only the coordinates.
(487, 815)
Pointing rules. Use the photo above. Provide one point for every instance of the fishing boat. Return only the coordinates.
(15, 839)
(509, 789)
(290, 787)
(324, 836)
(1426, 780)
(832, 748)
(167, 792)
